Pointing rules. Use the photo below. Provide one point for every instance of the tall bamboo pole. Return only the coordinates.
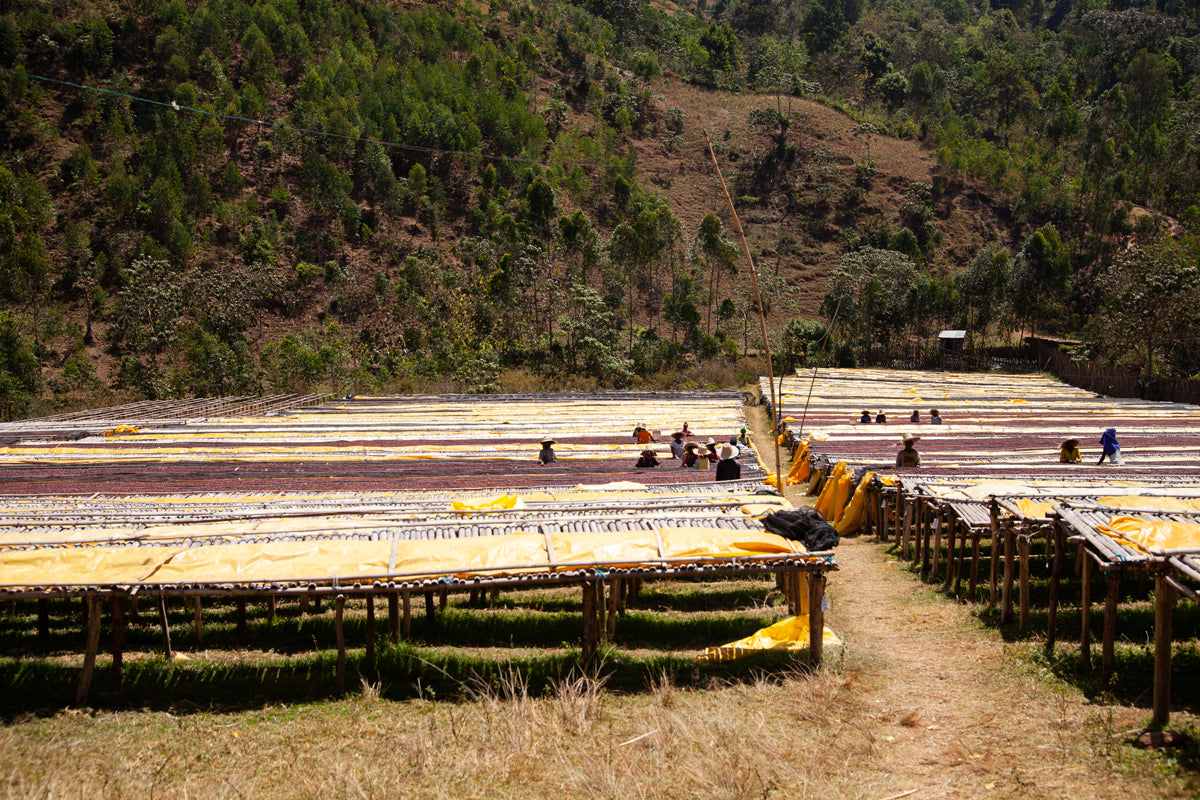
(762, 321)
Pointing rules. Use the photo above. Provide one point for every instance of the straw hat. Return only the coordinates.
(677, 435)
(691, 446)
(711, 441)
(548, 440)
(933, 412)
(911, 440)
(649, 451)
(727, 452)
(1070, 444)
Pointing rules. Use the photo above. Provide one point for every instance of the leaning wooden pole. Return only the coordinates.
(762, 320)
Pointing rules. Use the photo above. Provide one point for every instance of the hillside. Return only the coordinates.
(380, 196)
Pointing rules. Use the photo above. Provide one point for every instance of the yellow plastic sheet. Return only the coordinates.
(787, 634)
(1149, 535)
(326, 560)
(852, 519)
(1033, 509)
(507, 501)
(800, 467)
(826, 500)
(1151, 503)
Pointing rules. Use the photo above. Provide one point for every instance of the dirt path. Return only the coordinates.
(961, 714)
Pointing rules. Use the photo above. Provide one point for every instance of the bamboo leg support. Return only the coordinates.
(241, 615)
(974, 565)
(166, 627)
(1085, 611)
(430, 613)
(1010, 546)
(1107, 657)
(1023, 549)
(601, 608)
(930, 524)
(394, 616)
(443, 599)
(271, 608)
(89, 653)
(937, 555)
(962, 554)
(339, 629)
(406, 623)
(614, 592)
(995, 528)
(1164, 602)
(951, 532)
(197, 622)
(1060, 545)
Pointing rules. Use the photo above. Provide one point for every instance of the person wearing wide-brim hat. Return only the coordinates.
(676, 444)
(689, 455)
(1068, 452)
(546, 456)
(909, 457)
(727, 468)
(648, 459)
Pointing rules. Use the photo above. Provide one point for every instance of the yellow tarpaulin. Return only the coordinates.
(1147, 503)
(326, 560)
(1033, 509)
(852, 518)
(1146, 535)
(787, 634)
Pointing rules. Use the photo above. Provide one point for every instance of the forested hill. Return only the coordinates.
(232, 197)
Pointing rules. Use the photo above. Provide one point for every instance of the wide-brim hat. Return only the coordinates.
(677, 434)
(548, 440)
(691, 446)
(710, 441)
(727, 452)
(1070, 443)
(911, 439)
(649, 451)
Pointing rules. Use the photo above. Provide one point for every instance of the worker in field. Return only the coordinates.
(728, 468)
(934, 417)
(689, 455)
(642, 435)
(866, 417)
(648, 459)
(909, 457)
(1111, 448)
(677, 445)
(916, 416)
(546, 456)
(1068, 452)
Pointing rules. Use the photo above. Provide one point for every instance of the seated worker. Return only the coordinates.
(1110, 447)
(642, 435)
(546, 456)
(744, 438)
(727, 468)
(703, 457)
(648, 459)
(881, 418)
(934, 419)
(916, 416)
(689, 455)
(733, 440)
(1068, 452)
(677, 444)
(908, 457)
(866, 416)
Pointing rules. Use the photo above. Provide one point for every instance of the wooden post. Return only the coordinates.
(1060, 546)
(443, 599)
(430, 608)
(197, 622)
(394, 616)
(590, 644)
(962, 553)
(116, 610)
(614, 594)
(601, 608)
(339, 609)
(1023, 547)
(166, 628)
(271, 608)
(1085, 611)
(1164, 602)
(937, 554)
(816, 617)
(303, 605)
(1111, 596)
(406, 625)
(89, 653)
(241, 615)
(930, 522)
(369, 655)
(43, 614)
(950, 573)
(974, 563)
(908, 518)
(994, 508)
(1010, 546)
